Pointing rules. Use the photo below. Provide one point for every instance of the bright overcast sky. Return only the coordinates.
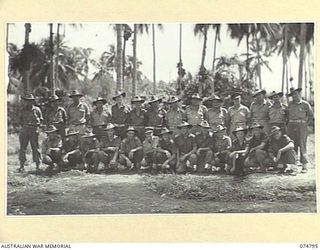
(100, 35)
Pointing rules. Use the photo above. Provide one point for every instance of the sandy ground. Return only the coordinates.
(75, 192)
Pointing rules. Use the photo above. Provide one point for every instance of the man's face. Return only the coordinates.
(277, 135)
(110, 132)
(275, 98)
(296, 96)
(240, 134)
(54, 104)
(89, 139)
(27, 104)
(51, 135)
(256, 131)
(205, 131)
(166, 136)
(73, 138)
(137, 105)
(149, 135)
(195, 102)
(99, 104)
(236, 100)
(220, 134)
(259, 97)
(155, 105)
(216, 104)
(130, 134)
(118, 100)
(184, 130)
(174, 105)
(76, 99)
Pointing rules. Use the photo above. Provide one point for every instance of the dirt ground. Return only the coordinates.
(76, 192)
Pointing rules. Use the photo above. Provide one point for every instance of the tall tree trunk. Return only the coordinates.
(134, 79)
(204, 48)
(180, 56)
(119, 69)
(57, 58)
(305, 81)
(303, 29)
(26, 73)
(214, 59)
(284, 56)
(154, 59)
(258, 66)
(51, 79)
(124, 59)
(247, 60)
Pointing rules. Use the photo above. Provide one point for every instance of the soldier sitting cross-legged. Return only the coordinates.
(71, 149)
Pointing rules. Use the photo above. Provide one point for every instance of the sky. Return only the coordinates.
(100, 35)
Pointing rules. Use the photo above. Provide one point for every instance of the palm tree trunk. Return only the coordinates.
(51, 79)
(305, 81)
(204, 48)
(134, 79)
(57, 58)
(214, 58)
(119, 69)
(154, 59)
(303, 29)
(124, 58)
(258, 66)
(26, 73)
(180, 56)
(247, 60)
(284, 56)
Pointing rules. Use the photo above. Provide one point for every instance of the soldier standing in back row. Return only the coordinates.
(78, 113)
(30, 119)
(278, 112)
(119, 114)
(136, 117)
(175, 115)
(238, 114)
(99, 117)
(57, 116)
(155, 116)
(259, 110)
(195, 113)
(216, 115)
(300, 114)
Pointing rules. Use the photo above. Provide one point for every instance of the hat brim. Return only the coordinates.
(196, 98)
(184, 126)
(137, 101)
(106, 129)
(273, 132)
(263, 92)
(167, 132)
(122, 94)
(103, 100)
(51, 131)
(217, 131)
(175, 101)
(242, 130)
(280, 94)
(204, 126)
(28, 99)
(88, 136)
(296, 90)
(78, 95)
(156, 100)
(71, 134)
(261, 126)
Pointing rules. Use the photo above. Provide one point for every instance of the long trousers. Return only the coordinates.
(29, 134)
(298, 132)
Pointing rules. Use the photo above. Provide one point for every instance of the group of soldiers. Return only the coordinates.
(159, 135)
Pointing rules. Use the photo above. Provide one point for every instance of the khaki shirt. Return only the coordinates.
(185, 144)
(238, 115)
(150, 145)
(78, 114)
(300, 111)
(175, 117)
(278, 114)
(99, 118)
(119, 115)
(86, 146)
(136, 118)
(31, 116)
(155, 118)
(58, 116)
(107, 142)
(222, 144)
(217, 116)
(196, 116)
(260, 112)
(128, 144)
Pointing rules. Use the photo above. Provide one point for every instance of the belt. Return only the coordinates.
(298, 121)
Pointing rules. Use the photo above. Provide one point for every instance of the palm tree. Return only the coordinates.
(160, 27)
(216, 28)
(119, 70)
(303, 31)
(138, 29)
(202, 30)
(127, 32)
